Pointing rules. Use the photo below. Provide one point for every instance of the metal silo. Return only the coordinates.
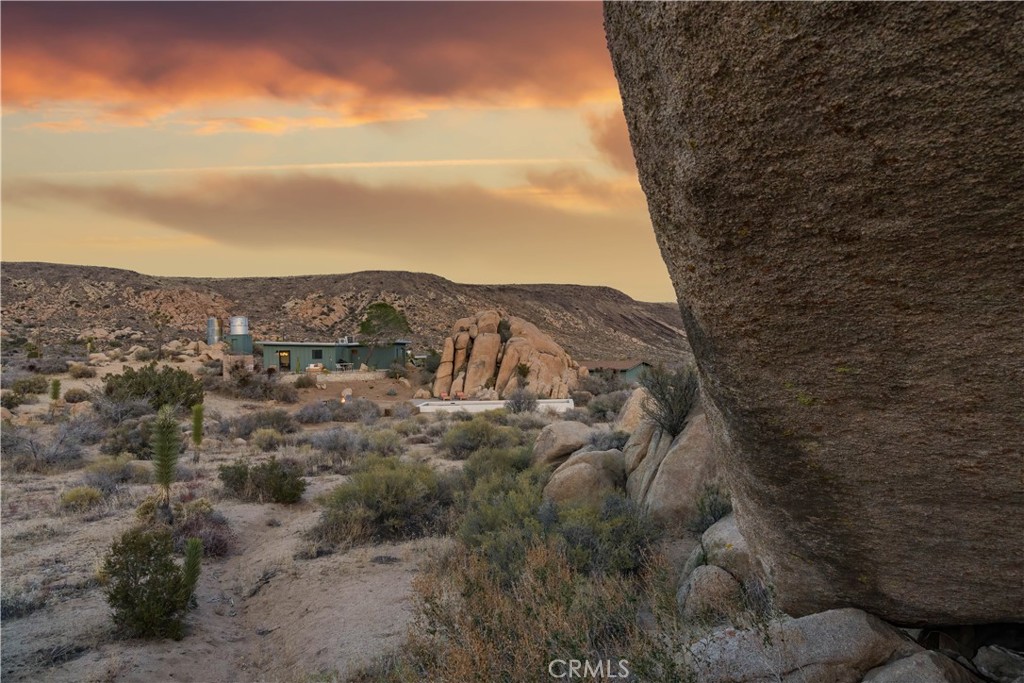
(239, 325)
(214, 331)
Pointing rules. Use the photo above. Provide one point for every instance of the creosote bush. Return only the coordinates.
(148, 592)
(167, 386)
(606, 441)
(80, 498)
(606, 407)
(462, 439)
(384, 500)
(714, 504)
(358, 410)
(76, 395)
(30, 385)
(672, 396)
(521, 401)
(306, 381)
(266, 439)
(314, 413)
(244, 425)
(277, 481)
(79, 371)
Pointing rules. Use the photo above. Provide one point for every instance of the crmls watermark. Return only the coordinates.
(576, 668)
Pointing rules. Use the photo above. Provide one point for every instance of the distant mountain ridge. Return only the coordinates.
(589, 322)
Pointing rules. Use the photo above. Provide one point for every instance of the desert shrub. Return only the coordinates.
(244, 425)
(314, 413)
(146, 355)
(11, 399)
(712, 505)
(339, 441)
(25, 449)
(85, 429)
(672, 395)
(11, 375)
(470, 620)
(55, 389)
(606, 407)
(198, 519)
(49, 365)
(581, 398)
(521, 401)
(385, 442)
(131, 436)
(76, 395)
(110, 474)
(30, 385)
(80, 498)
(487, 461)
(597, 383)
(403, 410)
(266, 439)
(385, 500)
(358, 410)
(528, 421)
(462, 439)
(397, 370)
(306, 381)
(432, 362)
(242, 383)
(16, 604)
(148, 592)
(606, 441)
(167, 386)
(504, 330)
(577, 415)
(116, 410)
(278, 481)
(79, 371)
(611, 539)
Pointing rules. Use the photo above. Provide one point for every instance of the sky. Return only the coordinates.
(480, 141)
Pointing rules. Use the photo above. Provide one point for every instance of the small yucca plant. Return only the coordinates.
(197, 430)
(166, 444)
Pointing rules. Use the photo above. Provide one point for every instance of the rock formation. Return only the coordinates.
(836, 191)
(476, 362)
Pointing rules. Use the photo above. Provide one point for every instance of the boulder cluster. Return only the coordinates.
(488, 357)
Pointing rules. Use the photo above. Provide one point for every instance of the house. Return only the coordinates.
(626, 370)
(341, 355)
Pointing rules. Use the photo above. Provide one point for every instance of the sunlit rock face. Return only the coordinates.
(837, 192)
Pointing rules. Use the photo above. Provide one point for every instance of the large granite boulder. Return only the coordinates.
(838, 646)
(924, 667)
(836, 191)
(558, 440)
(587, 477)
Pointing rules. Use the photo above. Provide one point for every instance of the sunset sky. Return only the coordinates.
(483, 142)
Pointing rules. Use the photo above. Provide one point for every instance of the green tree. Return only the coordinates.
(382, 324)
(166, 444)
(197, 429)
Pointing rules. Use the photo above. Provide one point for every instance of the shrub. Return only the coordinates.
(672, 395)
(611, 539)
(713, 505)
(339, 441)
(577, 415)
(521, 401)
(115, 410)
(11, 399)
(79, 371)
(166, 448)
(30, 385)
(55, 389)
(266, 439)
(244, 425)
(306, 381)
(606, 407)
(27, 450)
(487, 461)
(167, 386)
(278, 481)
(397, 370)
(198, 519)
(358, 410)
(146, 355)
(11, 375)
(49, 366)
(76, 395)
(314, 413)
(385, 500)
(132, 437)
(148, 592)
(606, 441)
(385, 442)
(109, 475)
(504, 330)
(85, 429)
(462, 439)
(403, 410)
(80, 498)
(597, 383)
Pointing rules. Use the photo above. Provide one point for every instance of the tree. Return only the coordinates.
(55, 390)
(197, 429)
(382, 324)
(166, 444)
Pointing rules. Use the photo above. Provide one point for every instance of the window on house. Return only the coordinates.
(318, 354)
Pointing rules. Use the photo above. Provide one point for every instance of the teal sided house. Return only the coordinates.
(342, 355)
(627, 370)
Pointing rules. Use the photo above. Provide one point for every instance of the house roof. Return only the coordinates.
(619, 365)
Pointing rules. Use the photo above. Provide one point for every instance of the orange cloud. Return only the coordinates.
(356, 62)
(610, 136)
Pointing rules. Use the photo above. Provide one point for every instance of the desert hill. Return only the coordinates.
(589, 322)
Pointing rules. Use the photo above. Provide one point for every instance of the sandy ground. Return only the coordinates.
(262, 615)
